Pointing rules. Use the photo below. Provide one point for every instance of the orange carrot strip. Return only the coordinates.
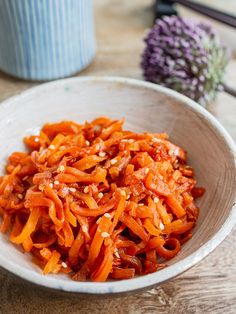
(50, 193)
(89, 200)
(46, 253)
(103, 227)
(115, 126)
(38, 199)
(198, 192)
(163, 212)
(4, 227)
(56, 142)
(52, 264)
(151, 256)
(106, 266)
(91, 212)
(167, 253)
(68, 234)
(52, 148)
(148, 225)
(76, 245)
(176, 207)
(157, 186)
(68, 214)
(178, 226)
(119, 210)
(64, 127)
(153, 209)
(27, 244)
(29, 226)
(144, 212)
(46, 244)
(7, 180)
(17, 228)
(134, 226)
(101, 121)
(124, 243)
(122, 273)
(83, 221)
(155, 242)
(75, 175)
(87, 162)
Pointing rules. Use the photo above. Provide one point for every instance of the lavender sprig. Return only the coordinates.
(186, 56)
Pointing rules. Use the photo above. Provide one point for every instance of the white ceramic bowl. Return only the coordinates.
(148, 107)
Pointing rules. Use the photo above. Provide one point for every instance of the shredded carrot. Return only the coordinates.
(96, 201)
(105, 268)
(122, 273)
(52, 264)
(29, 226)
(74, 250)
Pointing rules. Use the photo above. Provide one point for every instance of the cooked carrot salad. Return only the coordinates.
(96, 201)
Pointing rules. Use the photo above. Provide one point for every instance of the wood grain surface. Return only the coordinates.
(209, 287)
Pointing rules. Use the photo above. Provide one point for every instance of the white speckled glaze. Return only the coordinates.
(145, 106)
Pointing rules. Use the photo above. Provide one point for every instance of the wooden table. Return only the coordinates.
(210, 286)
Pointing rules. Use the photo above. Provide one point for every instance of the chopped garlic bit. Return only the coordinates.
(64, 265)
(73, 190)
(86, 189)
(102, 154)
(131, 141)
(20, 196)
(100, 195)
(97, 128)
(117, 254)
(107, 215)
(84, 229)
(113, 161)
(61, 168)
(146, 170)
(123, 193)
(56, 182)
(87, 143)
(155, 140)
(41, 187)
(36, 139)
(42, 151)
(65, 190)
(161, 226)
(62, 148)
(94, 188)
(105, 234)
(98, 221)
(156, 200)
(51, 146)
(128, 197)
(141, 204)
(51, 185)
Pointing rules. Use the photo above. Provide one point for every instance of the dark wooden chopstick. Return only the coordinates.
(229, 90)
(215, 14)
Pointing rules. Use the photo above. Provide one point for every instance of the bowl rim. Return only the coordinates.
(148, 280)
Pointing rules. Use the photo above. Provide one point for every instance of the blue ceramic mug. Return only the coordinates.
(46, 39)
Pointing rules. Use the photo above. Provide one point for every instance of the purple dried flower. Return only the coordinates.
(186, 56)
